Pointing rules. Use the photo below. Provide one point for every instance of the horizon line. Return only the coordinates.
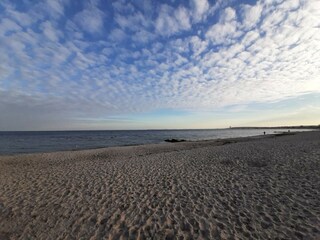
(172, 129)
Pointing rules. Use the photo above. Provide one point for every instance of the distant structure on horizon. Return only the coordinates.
(282, 127)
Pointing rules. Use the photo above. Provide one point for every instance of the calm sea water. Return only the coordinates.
(31, 142)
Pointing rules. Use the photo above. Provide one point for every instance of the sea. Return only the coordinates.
(50, 141)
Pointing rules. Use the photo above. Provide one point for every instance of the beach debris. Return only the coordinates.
(279, 133)
(173, 140)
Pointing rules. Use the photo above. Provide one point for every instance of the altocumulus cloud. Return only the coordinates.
(62, 61)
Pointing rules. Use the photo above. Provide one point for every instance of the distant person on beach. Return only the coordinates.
(264, 133)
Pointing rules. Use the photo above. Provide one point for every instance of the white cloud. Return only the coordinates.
(309, 13)
(50, 32)
(171, 21)
(90, 20)
(22, 19)
(182, 16)
(290, 5)
(132, 22)
(7, 26)
(273, 19)
(228, 15)
(143, 36)
(251, 15)
(57, 6)
(225, 30)
(199, 9)
(123, 6)
(250, 37)
(117, 35)
(198, 45)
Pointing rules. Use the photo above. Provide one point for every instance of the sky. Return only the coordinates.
(143, 64)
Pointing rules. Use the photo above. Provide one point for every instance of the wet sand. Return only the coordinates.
(249, 188)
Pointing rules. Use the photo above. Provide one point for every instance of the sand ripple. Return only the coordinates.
(264, 188)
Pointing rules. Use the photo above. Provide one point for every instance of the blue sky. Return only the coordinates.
(158, 64)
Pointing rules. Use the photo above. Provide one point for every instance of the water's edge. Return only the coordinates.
(12, 143)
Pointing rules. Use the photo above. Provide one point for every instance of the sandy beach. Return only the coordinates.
(250, 188)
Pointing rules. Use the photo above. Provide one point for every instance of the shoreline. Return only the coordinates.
(211, 141)
(246, 188)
